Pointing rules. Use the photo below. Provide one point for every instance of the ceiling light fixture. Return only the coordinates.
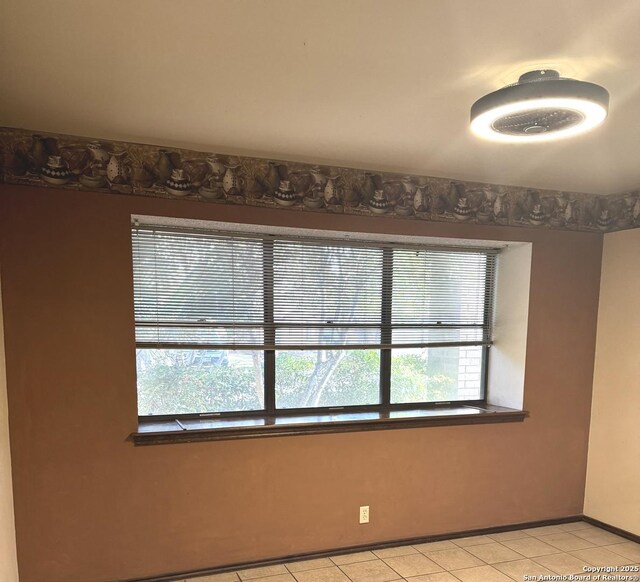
(541, 106)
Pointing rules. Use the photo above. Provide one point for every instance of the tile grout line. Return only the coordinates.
(344, 573)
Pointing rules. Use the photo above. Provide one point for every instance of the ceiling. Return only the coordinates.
(378, 84)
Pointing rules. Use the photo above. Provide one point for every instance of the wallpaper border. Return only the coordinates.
(98, 165)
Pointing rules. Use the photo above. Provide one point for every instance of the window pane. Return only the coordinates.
(436, 374)
(439, 286)
(309, 378)
(196, 287)
(324, 284)
(197, 381)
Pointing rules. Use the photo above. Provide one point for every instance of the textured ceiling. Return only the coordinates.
(378, 84)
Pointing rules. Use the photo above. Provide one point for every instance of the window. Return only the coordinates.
(234, 324)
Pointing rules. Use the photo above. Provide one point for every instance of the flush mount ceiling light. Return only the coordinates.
(541, 106)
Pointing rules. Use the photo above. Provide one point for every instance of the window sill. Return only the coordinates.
(152, 432)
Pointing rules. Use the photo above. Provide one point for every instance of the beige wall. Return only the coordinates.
(8, 562)
(613, 473)
(509, 351)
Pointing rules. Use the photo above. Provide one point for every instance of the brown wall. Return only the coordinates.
(91, 507)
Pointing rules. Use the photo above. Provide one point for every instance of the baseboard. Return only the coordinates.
(623, 533)
(375, 546)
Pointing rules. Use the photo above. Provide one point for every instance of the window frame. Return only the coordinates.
(384, 406)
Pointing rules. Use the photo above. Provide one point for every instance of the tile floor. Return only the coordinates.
(503, 557)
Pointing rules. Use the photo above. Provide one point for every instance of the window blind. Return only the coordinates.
(213, 290)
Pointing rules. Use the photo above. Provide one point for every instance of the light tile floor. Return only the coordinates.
(503, 557)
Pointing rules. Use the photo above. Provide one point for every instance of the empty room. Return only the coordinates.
(319, 291)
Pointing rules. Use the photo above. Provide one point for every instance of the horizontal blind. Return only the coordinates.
(442, 296)
(203, 289)
(197, 288)
(326, 294)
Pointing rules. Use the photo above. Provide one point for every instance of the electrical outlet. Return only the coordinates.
(364, 514)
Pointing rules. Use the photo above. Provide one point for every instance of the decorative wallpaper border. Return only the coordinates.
(79, 163)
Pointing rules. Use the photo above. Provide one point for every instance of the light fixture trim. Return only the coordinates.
(549, 107)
